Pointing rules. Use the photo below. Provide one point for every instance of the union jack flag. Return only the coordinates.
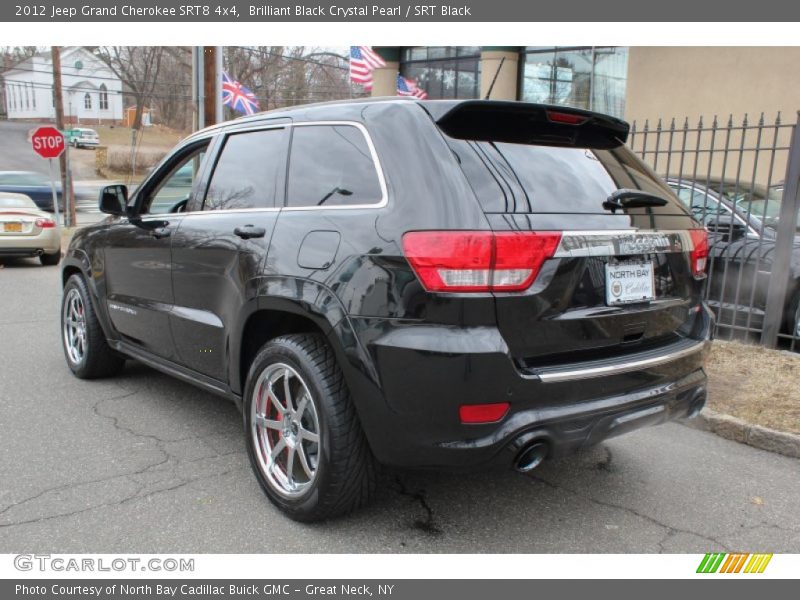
(409, 87)
(363, 60)
(238, 97)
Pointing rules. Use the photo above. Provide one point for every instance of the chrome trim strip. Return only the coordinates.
(634, 365)
(622, 242)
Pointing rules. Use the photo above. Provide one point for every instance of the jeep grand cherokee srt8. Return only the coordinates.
(436, 284)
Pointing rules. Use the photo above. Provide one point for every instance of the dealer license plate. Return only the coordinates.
(629, 282)
(12, 227)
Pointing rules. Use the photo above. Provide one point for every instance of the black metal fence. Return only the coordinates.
(740, 179)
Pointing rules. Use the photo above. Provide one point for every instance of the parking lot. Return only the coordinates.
(144, 463)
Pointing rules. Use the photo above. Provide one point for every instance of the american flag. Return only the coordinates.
(238, 97)
(408, 87)
(363, 60)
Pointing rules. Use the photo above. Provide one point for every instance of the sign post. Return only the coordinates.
(48, 142)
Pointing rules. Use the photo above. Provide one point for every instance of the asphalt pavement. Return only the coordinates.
(143, 463)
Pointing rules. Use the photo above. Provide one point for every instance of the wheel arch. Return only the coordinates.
(267, 317)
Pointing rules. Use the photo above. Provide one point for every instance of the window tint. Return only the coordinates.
(550, 179)
(176, 185)
(331, 165)
(249, 172)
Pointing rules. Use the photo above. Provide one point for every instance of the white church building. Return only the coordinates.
(92, 93)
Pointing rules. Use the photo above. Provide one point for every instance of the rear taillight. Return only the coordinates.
(478, 261)
(699, 254)
(45, 223)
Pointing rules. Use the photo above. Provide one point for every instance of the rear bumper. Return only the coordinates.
(412, 419)
(48, 242)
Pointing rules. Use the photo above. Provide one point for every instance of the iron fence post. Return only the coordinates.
(786, 231)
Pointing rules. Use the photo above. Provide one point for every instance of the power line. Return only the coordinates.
(306, 60)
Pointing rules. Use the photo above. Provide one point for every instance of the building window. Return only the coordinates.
(103, 99)
(87, 101)
(444, 71)
(33, 95)
(27, 99)
(593, 78)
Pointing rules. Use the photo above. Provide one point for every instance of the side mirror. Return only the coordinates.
(729, 231)
(114, 200)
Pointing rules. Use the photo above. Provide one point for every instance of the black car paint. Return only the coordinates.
(410, 358)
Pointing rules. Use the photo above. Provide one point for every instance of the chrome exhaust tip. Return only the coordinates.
(531, 456)
(697, 404)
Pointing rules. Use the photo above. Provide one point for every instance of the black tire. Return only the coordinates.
(793, 316)
(98, 359)
(50, 260)
(346, 470)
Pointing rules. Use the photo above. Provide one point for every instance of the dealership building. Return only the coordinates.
(634, 83)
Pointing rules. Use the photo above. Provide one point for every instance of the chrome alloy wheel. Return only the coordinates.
(796, 331)
(74, 326)
(285, 430)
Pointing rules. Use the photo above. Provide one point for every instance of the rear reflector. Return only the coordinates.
(699, 254)
(483, 413)
(478, 261)
(45, 223)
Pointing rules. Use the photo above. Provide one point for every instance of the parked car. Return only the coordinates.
(80, 137)
(439, 284)
(27, 231)
(742, 245)
(34, 185)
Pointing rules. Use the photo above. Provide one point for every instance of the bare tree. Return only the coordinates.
(138, 67)
(173, 99)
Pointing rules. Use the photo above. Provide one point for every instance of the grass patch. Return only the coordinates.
(755, 384)
(156, 136)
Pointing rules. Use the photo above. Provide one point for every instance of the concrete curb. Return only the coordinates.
(743, 432)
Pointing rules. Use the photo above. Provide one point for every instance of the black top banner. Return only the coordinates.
(398, 11)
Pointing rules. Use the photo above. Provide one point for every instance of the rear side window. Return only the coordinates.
(249, 171)
(331, 165)
(523, 178)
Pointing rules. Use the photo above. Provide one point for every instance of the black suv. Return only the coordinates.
(424, 284)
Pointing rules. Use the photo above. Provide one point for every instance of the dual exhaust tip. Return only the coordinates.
(531, 456)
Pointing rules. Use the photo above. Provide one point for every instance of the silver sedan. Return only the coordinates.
(27, 231)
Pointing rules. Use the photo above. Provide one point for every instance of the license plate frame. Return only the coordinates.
(12, 227)
(630, 282)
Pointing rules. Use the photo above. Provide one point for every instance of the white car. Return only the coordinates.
(27, 231)
(81, 137)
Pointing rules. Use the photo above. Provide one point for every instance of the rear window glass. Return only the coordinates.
(547, 179)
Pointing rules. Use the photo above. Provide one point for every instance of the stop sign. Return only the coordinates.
(48, 142)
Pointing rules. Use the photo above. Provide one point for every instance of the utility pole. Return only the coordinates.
(66, 180)
(198, 94)
(210, 84)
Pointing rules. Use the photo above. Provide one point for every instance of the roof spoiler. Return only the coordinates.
(524, 123)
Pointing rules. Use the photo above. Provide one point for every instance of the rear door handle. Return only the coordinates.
(161, 232)
(250, 231)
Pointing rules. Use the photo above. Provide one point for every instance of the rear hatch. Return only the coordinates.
(624, 276)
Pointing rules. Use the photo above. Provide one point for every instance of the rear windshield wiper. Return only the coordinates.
(622, 199)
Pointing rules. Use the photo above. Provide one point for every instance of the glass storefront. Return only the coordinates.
(443, 71)
(593, 78)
